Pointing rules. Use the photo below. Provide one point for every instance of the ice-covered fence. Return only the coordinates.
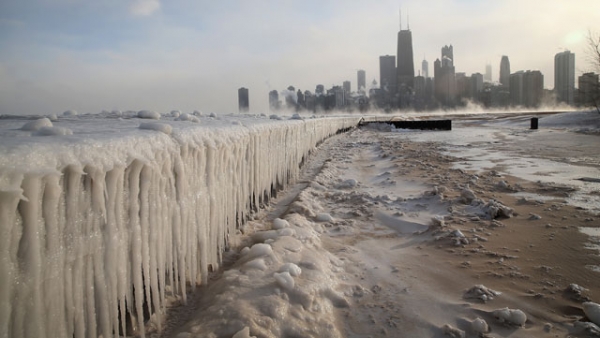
(96, 223)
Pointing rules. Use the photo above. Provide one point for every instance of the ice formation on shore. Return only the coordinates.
(93, 226)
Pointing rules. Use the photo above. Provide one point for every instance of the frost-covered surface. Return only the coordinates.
(118, 210)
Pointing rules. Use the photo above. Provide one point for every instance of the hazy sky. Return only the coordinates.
(161, 55)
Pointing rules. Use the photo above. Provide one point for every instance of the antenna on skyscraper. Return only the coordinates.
(407, 20)
(400, 15)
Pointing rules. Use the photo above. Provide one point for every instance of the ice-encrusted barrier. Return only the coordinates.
(92, 227)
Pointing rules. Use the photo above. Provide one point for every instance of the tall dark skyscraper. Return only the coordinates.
(387, 74)
(406, 66)
(564, 76)
(505, 71)
(362, 80)
(243, 100)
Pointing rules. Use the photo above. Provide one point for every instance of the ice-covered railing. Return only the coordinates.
(105, 223)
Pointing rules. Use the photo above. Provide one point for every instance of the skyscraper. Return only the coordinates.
(243, 100)
(425, 68)
(589, 89)
(505, 71)
(406, 66)
(347, 87)
(564, 76)
(362, 80)
(445, 79)
(488, 73)
(387, 74)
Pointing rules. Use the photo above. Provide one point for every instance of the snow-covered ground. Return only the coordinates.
(385, 233)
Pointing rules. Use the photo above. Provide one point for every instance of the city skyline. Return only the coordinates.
(150, 54)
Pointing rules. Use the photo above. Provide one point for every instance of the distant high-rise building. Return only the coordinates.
(505, 71)
(533, 88)
(516, 88)
(274, 102)
(448, 56)
(526, 88)
(320, 90)
(362, 80)
(243, 100)
(387, 73)
(564, 77)
(346, 86)
(444, 77)
(406, 66)
(476, 85)
(589, 89)
(488, 73)
(425, 68)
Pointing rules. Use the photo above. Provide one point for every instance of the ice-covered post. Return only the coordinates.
(534, 123)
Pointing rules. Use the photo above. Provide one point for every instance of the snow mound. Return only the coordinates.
(510, 316)
(348, 184)
(213, 115)
(453, 332)
(53, 131)
(162, 127)
(37, 124)
(495, 209)
(244, 333)
(296, 117)
(187, 117)
(175, 113)
(256, 264)
(53, 117)
(148, 114)
(259, 250)
(70, 113)
(481, 292)
(468, 195)
(279, 223)
(293, 269)
(284, 280)
(197, 113)
(592, 311)
(480, 326)
(275, 117)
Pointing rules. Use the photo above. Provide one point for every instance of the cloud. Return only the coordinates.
(144, 7)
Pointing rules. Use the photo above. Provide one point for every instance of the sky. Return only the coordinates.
(89, 56)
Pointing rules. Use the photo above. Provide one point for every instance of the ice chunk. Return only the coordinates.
(495, 209)
(510, 316)
(296, 117)
(284, 280)
(187, 117)
(259, 250)
(592, 311)
(148, 114)
(37, 124)
(70, 113)
(53, 131)
(293, 269)
(279, 223)
(348, 184)
(324, 217)
(256, 264)
(175, 113)
(275, 117)
(162, 127)
(286, 232)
